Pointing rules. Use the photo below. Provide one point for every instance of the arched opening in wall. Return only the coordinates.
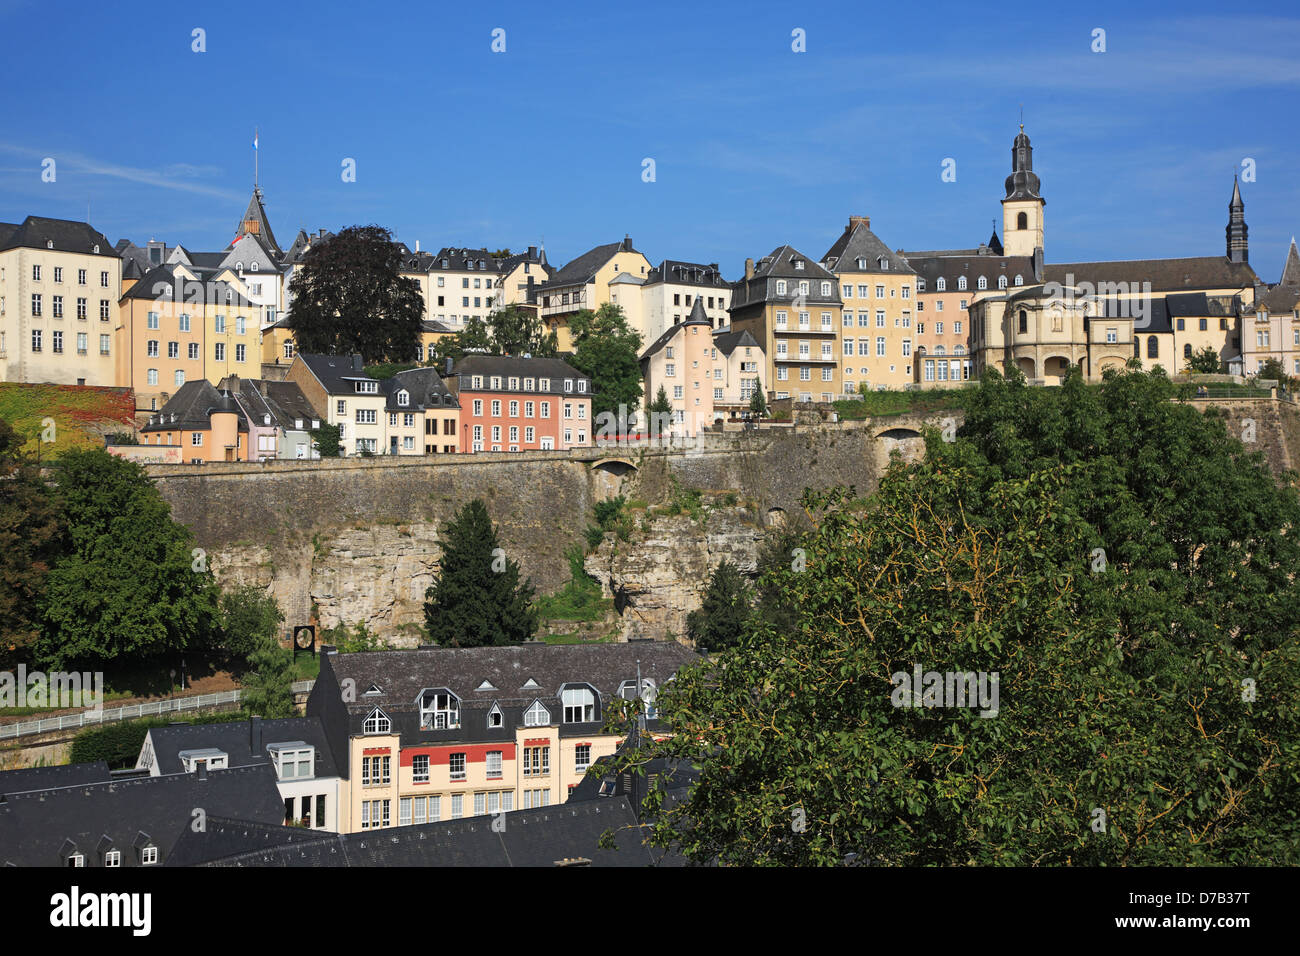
(1027, 366)
(618, 467)
(775, 517)
(899, 434)
(1056, 366)
(908, 442)
(1022, 221)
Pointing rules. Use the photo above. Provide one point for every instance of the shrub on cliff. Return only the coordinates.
(477, 599)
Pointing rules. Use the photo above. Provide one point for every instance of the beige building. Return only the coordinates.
(59, 283)
(877, 287)
(737, 365)
(671, 290)
(681, 362)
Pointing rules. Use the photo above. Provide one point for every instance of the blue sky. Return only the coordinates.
(754, 145)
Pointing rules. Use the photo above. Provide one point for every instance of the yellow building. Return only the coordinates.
(590, 281)
(878, 334)
(444, 733)
(791, 306)
(59, 282)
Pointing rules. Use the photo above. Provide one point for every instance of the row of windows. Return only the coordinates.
(56, 307)
(56, 342)
(58, 274)
(805, 374)
(941, 284)
(513, 383)
(153, 321)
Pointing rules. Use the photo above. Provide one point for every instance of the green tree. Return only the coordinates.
(349, 296)
(784, 552)
(267, 688)
(31, 539)
(514, 330)
(248, 616)
(1206, 361)
(131, 584)
(660, 407)
(758, 401)
(607, 349)
(1118, 561)
(327, 439)
(1274, 371)
(477, 599)
(720, 620)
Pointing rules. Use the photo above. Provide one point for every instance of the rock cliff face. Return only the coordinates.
(658, 577)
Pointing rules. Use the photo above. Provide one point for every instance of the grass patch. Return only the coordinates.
(81, 414)
(385, 370)
(579, 600)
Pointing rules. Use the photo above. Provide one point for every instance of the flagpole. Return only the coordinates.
(255, 157)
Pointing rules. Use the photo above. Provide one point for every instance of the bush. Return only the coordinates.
(119, 744)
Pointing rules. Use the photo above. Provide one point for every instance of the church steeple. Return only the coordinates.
(1238, 248)
(1291, 270)
(1022, 209)
(255, 223)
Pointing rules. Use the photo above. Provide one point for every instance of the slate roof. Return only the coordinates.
(677, 272)
(283, 401)
(859, 242)
(43, 828)
(401, 676)
(1278, 299)
(779, 264)
(300, 243)
(235, 739)
(1165, 275)
(193, 405)
(507, 365)
(535, 256)
(186, 290)
(336, 373)
(46, 778)
(465, 260)
(1291, 268)
(728, 341)
(36, 232)
(932, 267)
(585, 267)
(425, 387)
(529, 838)
(257, 212)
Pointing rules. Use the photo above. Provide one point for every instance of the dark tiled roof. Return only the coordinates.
(47, 778)
(687, 273)
(530, 838)
(533, 255)
(727, 341)
(235, 739)
(336, 373)
(859, 242)
(779, 264)
(507, 365)
(257, 212)
(44, 827)
(193, 405)
(1165, 275)
(37, 232)
(1291, 268)
(671, 333)
(465, 260)
(283, 401)
(586, 265)
(949, 267)
(425, 387)
(163, 283)
(1278, 299)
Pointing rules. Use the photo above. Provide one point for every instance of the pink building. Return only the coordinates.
(518, 403)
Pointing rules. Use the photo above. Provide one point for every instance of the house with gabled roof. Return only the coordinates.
(444, 733)
(588, 282)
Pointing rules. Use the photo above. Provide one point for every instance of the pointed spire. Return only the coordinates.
(1238, 247)
(1236, 202)
(1022, 183)
(1291, 271)
(697, 311)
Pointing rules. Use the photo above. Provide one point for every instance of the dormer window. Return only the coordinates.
(295, 760)
(208, 757)
(377, 723)
(884, 264)
(49, 243)
(77, 860)
(368, 388)
(96, 248)
(113, 858)
(1020, 280)
(582, 384)
(495, 718)
(148, 855)
(826, 288)
(961, 283)
(403, 398)
(1002, 282)
(373, 690)
(439, 709)
(486, 685)
(252, 266)
(798, 264)
(579, 704)
(940, 284)
(537, 715)
(780, 287)
(627, 690)
(982, 282)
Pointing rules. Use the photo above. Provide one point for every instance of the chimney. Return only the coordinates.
(749, 268)
(627, 242)
(255, 735)
(859, 221)
(448, 367)
(417, 245)
(532, 252)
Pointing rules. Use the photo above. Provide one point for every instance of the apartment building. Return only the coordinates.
(461, 286)
(590, 281)
(349, 398)
(876, 286)
(519, 403)
(445, 733)
(422, 412)
(59, 282)
(737, 364)
(792, 307)
(671, 290)
(280, 420)
(517, 275)
(206, 424)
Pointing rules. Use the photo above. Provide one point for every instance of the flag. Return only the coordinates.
(254, 140)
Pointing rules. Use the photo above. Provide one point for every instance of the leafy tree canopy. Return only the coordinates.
(248, 617)
(267, 689)
(349, 296)
(607, 349)
(1206, 361)
(511, 330)
(129, 582)
(477, 599)
(31, 538)
(720, 620)
(1120, 563)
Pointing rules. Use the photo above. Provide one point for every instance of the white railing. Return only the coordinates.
(131, 712)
